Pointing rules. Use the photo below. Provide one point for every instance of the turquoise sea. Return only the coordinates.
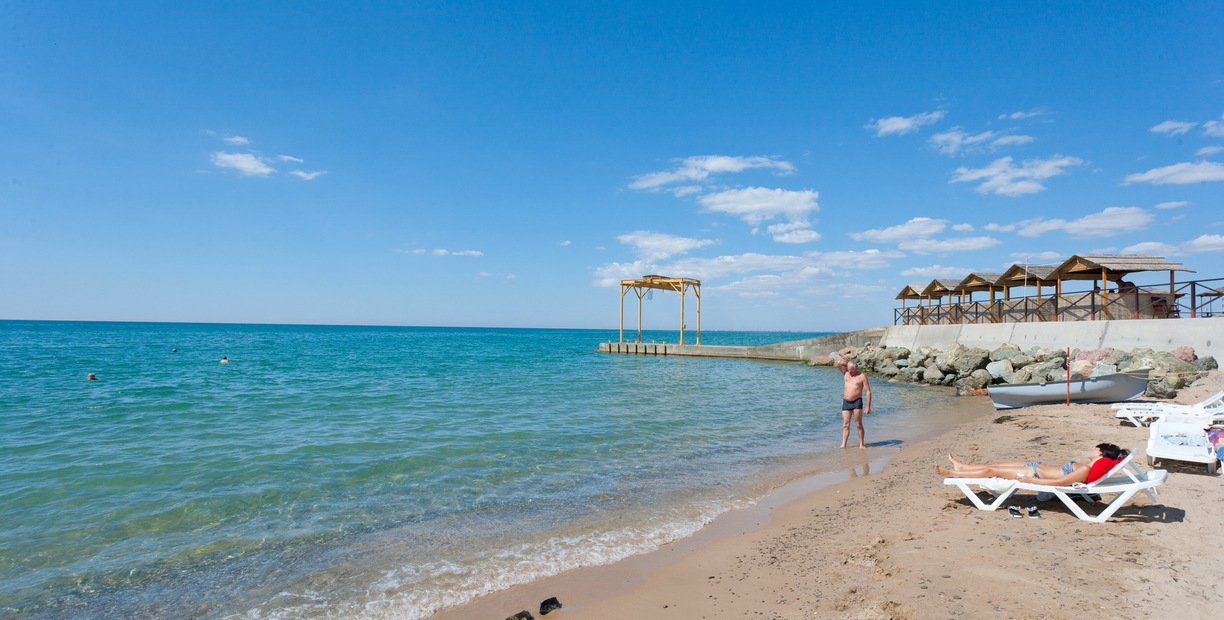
(379, 472)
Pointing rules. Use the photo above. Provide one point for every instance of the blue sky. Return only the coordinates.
(507, 163)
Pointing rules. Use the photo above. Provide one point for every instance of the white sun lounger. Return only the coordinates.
(1182, 438)
(1124, 479)
(1141, 414)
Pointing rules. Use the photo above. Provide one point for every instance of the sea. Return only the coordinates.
(382, 472)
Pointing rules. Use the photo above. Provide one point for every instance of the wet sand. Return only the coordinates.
(901, 544)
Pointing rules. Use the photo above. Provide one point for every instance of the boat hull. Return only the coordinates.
(1103, 389)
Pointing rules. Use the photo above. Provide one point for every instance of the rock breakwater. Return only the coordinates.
(969, 369)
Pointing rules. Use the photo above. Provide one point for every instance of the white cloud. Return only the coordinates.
(652, 246)
(1214, 128)
(1012, 140)
(919, 227)
(938, 271)
(1172, 205)
(1153, 248)
(290, 158)
(795, 269)
(792, 232)
(935, 246)
(1179, 174)
(999, 227)
(236, 140)
(854, 259)
(756, 205)
(1200, 244)
(901, 125)
(444, 252)
(1107, 223)
(1008, 179)
(1034, 259)
(963, 227)
(1018, 115)
(246, 164)
(1208, 151)
(1173, 128)
(797, 236)
(565, 243)
(1204, 243)
(308, 176)
(955, 140)
(756, 286)
(700, 168)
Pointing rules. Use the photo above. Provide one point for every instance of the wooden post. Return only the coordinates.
(697, 292)
(622, 312)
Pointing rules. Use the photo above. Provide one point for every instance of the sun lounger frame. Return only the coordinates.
(1126, 486)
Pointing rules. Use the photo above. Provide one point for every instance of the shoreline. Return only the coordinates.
(901, 544)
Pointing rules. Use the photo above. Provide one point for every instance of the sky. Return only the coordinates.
(506, 164)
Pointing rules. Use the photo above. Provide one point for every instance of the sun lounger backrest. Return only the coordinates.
(1120, 468)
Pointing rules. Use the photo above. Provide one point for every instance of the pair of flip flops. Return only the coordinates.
(1015, 511)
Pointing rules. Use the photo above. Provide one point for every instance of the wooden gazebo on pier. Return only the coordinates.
(645, 284)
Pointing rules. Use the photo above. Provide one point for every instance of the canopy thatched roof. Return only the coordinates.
(979, 281)
(911, 291)
(1028, 275)
(940, 288)
(1112, 266)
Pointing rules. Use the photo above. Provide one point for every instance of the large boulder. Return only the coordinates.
(887, 369)
(1206, 363)
(969, 360)
(1081, 369)
(1005, 352)
(1160, 389)
(1024, 375)
(949, 353)
(910, 374)
(1022, 360)
(1172, 371)
(1104, 369)
(1044, 355)
(1185, 354)
(1140, 358)
(1094, 356)
(932, 375)
(1045, 371)
(977, 380)
(918, 359)
(896, 353)
(1117, 358)
(999, 371)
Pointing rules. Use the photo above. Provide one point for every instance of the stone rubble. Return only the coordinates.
(971, 369)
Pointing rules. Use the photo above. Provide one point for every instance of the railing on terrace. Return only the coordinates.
(1191, 299)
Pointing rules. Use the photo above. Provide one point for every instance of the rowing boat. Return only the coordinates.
(1103, 389)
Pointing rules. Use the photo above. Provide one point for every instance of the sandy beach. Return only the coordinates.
(901, 544)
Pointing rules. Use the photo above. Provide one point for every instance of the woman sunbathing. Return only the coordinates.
(1104, 458)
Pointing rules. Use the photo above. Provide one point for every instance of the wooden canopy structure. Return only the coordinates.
(980, 281)
(645, 284)
(911, 291)
(1027, 275)
(940, 288)
(1107, 267)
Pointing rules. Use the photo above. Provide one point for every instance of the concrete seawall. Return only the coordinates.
(1206, 335)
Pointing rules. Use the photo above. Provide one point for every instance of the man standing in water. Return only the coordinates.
(853, 394)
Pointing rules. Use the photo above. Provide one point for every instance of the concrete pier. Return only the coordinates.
(1206, 335)
(793, 351)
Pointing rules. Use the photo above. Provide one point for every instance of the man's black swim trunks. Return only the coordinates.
(848, 405)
